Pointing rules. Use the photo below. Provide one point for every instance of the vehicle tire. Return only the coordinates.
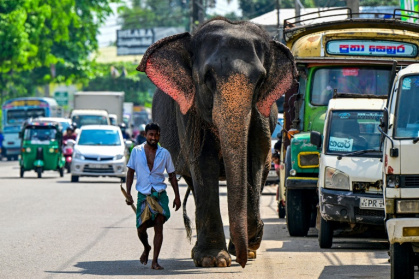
(74, 178)
(281, 210)
(123, 179)
(61, 171)
(325, 233)
(9, 158)
(39, 172)
(401, 258)
(296, 208)
(22, 171)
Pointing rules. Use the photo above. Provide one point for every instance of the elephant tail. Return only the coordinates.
(186, 220)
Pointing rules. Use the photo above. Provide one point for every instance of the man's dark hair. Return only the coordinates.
(152, 126)
(275, 155)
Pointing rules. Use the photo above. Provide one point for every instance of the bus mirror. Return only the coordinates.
(316, 139)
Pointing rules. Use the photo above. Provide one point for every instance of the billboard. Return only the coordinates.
(136, 41)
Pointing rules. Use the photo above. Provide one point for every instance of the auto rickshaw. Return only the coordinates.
(41, 147)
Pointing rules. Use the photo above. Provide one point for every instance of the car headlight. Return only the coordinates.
(78, 155)
(393, 181)
(119, 157)
(335, 179)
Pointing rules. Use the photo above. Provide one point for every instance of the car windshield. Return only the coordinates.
(41, 134)
(99, 137)
(357, 80)
(82, 120)
(407, 114)
(351, 131)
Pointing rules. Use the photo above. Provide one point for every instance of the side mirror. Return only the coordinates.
(128, 143)
(384, 121)
(316, 139)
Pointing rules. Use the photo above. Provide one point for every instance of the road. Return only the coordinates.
(52, 228)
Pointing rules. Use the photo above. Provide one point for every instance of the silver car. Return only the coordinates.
(99, 151)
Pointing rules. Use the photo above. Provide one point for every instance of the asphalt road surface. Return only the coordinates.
(52, 228)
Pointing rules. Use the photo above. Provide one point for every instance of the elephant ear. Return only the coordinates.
(167, 63)
(282, 77)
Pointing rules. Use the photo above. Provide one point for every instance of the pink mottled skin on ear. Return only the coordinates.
(161, 77)
(264, 106)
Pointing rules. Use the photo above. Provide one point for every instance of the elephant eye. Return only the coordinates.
(210, 81)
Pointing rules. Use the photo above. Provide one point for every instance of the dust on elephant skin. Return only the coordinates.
(215, 104)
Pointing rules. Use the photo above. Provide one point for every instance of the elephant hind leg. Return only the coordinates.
(211, 258)
(251, 254)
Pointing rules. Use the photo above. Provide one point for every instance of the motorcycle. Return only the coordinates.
(68, 148)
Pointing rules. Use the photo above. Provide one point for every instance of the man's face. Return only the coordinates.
(152, 137)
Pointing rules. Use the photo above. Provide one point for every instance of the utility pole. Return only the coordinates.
(297, 9)
(197, 14)
(354, 6)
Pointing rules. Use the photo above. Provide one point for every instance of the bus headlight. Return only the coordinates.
(392, 181)
(335, 179)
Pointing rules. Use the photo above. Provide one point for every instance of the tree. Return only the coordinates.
(47, 41)
(155, 13)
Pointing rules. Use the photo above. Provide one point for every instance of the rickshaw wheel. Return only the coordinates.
(39, 171)
(61, 171)
(22, 170)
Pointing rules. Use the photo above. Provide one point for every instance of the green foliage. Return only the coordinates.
(136, 85)
(155, 13)
(39, 36)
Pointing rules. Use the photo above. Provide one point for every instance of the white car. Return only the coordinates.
(99, 151)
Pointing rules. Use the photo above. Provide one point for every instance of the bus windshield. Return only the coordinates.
(407, 114)
(358, 80)
(89, 119)
(351, 131)
(18, 116)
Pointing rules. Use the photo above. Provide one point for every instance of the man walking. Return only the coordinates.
(148, 161)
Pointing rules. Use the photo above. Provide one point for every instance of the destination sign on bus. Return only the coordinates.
(22, 103)
(371, 48)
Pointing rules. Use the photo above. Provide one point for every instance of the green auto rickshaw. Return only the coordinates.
(41, 147)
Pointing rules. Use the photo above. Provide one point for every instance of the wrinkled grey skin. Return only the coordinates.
(214, 103)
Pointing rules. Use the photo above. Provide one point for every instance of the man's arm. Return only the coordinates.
(130, 179)
(173, 181)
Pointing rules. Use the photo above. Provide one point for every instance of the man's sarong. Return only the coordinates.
(149, 206)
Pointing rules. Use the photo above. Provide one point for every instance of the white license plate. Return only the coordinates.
(369, 203)
(272, 173)
(98, 166)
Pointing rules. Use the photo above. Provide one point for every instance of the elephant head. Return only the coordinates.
(228, 72)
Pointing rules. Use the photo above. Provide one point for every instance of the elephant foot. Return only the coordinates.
(211, 258)
(251, 254)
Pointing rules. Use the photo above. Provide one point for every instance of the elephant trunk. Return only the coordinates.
(231, 115)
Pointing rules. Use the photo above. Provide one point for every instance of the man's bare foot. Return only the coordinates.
(144, 256)
(156, 266)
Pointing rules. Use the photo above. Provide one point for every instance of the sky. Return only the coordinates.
(108, 30)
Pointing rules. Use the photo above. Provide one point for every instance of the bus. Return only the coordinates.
(336, 52)
(15, 112)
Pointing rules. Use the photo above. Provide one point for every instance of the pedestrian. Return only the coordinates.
(148, 161)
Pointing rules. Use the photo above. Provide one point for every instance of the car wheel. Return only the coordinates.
(74, 178)
(401, 256)
(325, 234)
(22, 171)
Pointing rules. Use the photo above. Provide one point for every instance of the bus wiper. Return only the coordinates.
(359, 152)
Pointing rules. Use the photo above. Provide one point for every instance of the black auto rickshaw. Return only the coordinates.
(41, 147)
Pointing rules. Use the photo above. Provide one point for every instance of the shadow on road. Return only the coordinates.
(134, 267)
(353, 271)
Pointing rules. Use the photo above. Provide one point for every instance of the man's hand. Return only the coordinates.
(129, 200)
(176, 203)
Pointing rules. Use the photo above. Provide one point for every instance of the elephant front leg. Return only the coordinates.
(210, 249)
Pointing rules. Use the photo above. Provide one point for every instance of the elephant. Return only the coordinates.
(214, 102)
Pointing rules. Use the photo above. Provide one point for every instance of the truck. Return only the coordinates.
(344, 53)
(350, 171)
(400, 128)
(112, 102)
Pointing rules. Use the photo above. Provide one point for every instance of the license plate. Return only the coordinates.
(369, 203)
(98, 166)
(272, 173)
